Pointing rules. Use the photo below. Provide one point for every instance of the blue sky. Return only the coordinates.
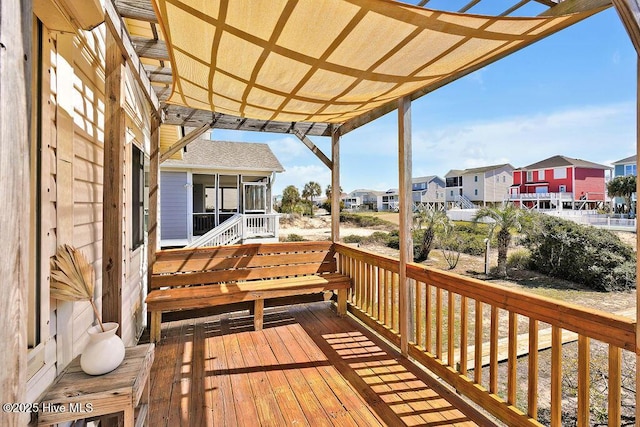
(573, 94)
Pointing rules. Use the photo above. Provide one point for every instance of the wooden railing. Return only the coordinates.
(451, 311)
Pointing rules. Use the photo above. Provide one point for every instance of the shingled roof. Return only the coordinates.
(228, 155)
(626, 160)
(559, 161)
(458, 172)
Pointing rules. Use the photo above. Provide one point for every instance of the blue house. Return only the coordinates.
(626, 166)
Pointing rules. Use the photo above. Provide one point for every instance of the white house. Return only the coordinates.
(213, 182)
(362, 199)
(429, 191)
(481, 186)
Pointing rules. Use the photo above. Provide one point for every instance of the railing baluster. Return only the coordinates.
(464, 330)
(394, 311)
(381, 296)
(615, 375)
(513, 358)
(429, 316)
(451, 360)
(387, 279)
(372, 290)
(439, 323)
(532, 397)
(477, 362)
(493, 351)
(556, 376)
(359, 273)
(584, 382)
(419, 309)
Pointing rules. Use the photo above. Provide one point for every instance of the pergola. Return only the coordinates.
(307, 68)
(248, 67)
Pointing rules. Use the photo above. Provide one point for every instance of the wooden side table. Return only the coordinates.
(75, 395)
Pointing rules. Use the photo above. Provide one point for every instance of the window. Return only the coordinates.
(255, 197)
(475, 192)
(475, 178)
(504, 178)
(529, 176)
(35, 315)
(630, 170)
(541, 175)
(451, 193)
(559, 173)
(137, 197)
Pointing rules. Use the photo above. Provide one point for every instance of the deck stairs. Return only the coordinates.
(227, 233)
(464, 202)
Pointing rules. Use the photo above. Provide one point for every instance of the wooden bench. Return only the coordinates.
(204, 277)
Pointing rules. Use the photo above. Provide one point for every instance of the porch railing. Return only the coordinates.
(464, 327)
(240, 227)
(260, 225)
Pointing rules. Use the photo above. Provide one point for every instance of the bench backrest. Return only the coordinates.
(224, 264)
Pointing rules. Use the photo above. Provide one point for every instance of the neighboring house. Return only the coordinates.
(560, 182)
(429, 191)
(389, 200)
(362, 199)
(214, 181)
(626, 166)
(481, 186)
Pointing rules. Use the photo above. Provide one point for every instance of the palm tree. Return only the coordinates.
(623, 186)
(434, 221)
(290, 198)
(506, 219)
(310, 190)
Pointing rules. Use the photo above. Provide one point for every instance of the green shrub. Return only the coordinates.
(594, 257)
(378, 237)
(294, 238)
(472, 237)
(352, 238)
(519, 259)
(365, 220)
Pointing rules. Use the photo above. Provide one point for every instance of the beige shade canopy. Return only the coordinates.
(327, 61)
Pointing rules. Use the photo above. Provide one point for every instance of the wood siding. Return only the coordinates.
(72, 185)
(173, 205)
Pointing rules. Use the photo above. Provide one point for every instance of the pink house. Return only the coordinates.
(560, 182)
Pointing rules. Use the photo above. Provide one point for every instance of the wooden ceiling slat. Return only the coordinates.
(159, 74)
(149, 48)
(136, 9)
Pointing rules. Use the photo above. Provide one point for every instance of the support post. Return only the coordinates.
(407, 296)
(637, 253)
(15, 139)
(335, 186)
(154, 172)
(112, 196)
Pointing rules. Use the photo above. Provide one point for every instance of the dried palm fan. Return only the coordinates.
(72, 277)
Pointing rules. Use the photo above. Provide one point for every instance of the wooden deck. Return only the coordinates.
(306, 367)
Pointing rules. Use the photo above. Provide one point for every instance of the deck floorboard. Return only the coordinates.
(306, 367)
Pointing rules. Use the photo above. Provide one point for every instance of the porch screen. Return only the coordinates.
(327, 60)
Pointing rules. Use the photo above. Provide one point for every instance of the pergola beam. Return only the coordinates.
(179, 145)
(116, 26)
(629, 11)
(314, 148)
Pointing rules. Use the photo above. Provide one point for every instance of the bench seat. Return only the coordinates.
(196, 285)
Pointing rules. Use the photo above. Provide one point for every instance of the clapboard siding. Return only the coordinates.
(173, 205)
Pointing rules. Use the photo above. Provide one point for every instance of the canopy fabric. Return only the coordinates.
(326, 60)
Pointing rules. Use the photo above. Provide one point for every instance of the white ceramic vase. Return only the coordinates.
(104, 352)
